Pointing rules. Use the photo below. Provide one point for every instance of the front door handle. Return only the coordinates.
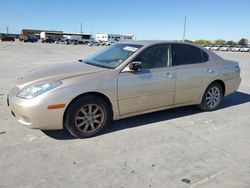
(169, 75)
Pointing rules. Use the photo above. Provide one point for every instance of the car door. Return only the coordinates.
(152, 87)
(194, 71)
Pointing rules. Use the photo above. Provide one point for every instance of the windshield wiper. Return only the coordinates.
(97, 65)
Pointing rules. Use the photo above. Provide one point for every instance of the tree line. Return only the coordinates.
(242, 41)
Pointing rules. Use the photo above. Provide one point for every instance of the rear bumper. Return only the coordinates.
(232, 85)
(244, 50)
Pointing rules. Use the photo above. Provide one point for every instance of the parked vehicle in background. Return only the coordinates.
(48, 40)
(230, 48)
(73, 41)
(32, 40)
(220, 47)
(64, 41)
(108, 43)
(7, 38)
(93, 43)
(123, 80)
(215, 48)
(57, 41)
(236, 48)
(81, 42)
(103, 43)
(245, 49)
(226, 48)
(97, 43)
(208, 47)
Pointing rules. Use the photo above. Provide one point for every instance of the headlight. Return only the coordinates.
(35, 90)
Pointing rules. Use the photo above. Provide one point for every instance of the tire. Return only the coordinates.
(212, 97)
(87, 116)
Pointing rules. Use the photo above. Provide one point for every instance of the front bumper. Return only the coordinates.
(33, 113)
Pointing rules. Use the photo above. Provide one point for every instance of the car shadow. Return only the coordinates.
(234, 99)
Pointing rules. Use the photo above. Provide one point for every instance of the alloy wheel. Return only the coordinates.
(213, 97)
(89, 118)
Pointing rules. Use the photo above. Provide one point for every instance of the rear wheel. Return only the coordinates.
(212, 97)
(87, 116)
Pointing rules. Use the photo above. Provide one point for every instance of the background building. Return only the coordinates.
(101, 37)
(27, 33)
(59, 35)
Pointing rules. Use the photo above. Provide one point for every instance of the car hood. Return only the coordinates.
(57, 72)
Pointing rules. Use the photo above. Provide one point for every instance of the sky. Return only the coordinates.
(146, 19)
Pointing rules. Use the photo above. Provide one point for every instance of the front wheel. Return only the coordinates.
(87, 116)
(212, 97)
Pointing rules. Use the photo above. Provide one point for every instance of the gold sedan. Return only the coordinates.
(125, 79)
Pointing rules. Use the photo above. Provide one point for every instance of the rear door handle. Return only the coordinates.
(210, 70)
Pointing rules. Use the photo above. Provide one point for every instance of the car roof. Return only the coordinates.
(153, 42)
(146, 43)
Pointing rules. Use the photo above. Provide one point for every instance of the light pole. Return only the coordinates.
(184, 31)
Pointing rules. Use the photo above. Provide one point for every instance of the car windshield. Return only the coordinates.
(112, 56)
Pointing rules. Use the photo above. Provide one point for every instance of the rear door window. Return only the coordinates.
(205, 56)
(184, 54)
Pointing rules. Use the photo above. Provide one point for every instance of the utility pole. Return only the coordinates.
(184, 31)
(7, 30)
(81, 27)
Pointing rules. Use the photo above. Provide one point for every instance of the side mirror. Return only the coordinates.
(135, 66)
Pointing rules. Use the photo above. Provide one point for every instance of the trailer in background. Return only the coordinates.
(111, 38)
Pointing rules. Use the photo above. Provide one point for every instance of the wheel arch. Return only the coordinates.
(219, 81)
(97, 94)
(202, 104)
